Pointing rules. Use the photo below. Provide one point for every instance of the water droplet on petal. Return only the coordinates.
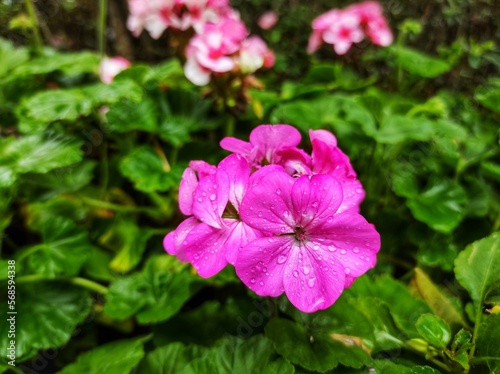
(329, 219)
(359, 190)
(347, 270)
(300, 254)
(200, 199)
(355, 250)
(261, 283)
(281, 259)
(310, 282)
(314, 204)
(342, 251)
(367, 259)
(331, 248)
(316, 247)
(295, 273)
(305, 270)
(286, 213)
(278, 192)
(212, 197)
(252, 280)
(259, 214)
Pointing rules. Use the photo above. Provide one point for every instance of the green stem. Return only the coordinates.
(34, 21)
(116, 207)
(101, 30)
(438, 363)
(77, 281)
(230, 126)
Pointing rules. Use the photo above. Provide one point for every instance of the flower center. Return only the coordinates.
(300, 233)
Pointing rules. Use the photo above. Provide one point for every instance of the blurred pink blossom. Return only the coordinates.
(254, 55)
(267, 20)
(157, 15)
(344, 27)
(111, 66)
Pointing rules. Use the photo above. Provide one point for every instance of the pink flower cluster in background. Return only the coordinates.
(344, 27)
(158, 15)
(220, 43)
(288, 221)
(111, 66)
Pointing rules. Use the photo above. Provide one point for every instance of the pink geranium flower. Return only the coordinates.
(267, 20)
(315, 250)
(215, 234)
(112, 66)
(254, 55)
(344, 27)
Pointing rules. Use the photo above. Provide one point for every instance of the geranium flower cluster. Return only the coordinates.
(343, 27)
(288, 221)
(220, 43)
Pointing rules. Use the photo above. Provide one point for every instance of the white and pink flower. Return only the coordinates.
(111, 66)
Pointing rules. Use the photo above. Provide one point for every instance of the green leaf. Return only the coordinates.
(101, 93)
(441, 205)
(488, 342)
(129, 239)
(148, 171)
(127, 115)
(153, 295)
(319, 352)
(389, 367)
(97, 264)
(489, 97)
(61, 104)
(434, 330)
(38, 154)
(87, 63)
(63, 251)
(437, 300)
(477, 269)
(403, 307)
(117, 357)
(11, 57)
(253, 355)
(47, 314)
(418, 63)
(397, 128)
(169, 359)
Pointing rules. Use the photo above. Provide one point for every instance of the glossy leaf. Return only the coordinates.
(434, 330)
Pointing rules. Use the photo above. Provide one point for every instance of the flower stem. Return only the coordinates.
(230, 126)
(77, 281)
(101, 30)
(34, 21)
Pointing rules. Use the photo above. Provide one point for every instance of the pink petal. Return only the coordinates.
(313, 279)
(269, 138)
(236, 146)
(204, 249)
(173, 242)
(195, 73)
(354, 241)
(315, 200)
(323, 135)
(266, 206)
(314, 43)
(330, 160)
(353, 194)
(188, 185)
(261, 265)
(238, 170)
(294, 161)
(239, 236)
(210, 198)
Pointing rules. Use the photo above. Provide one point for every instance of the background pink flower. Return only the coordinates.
(111, 66)
(267, 20)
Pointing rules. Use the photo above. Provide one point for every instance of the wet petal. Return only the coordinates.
(238, 237)
(238, 170)
(270, 138)
(188, 185)
(313, 280)
(354, 241)
(261, 265)
(210, 198)
(267, 206)
(204, 249)
(173, 242)
(315, 199)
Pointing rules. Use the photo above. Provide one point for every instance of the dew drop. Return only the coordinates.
(305, 270)
(252, 280)
(355, 250)
(310, 282)
(300, 255)
(329, 219)
(295, 273)
(331, 248)
(203, 194)
(261, 283)
(278, 192)
(343, 252)
(259, 214)
(314, 204)
(316, 247)
(212, 197)
(359, 190)
(281, 259)
(347, 270)
(200, 199)
(286, 213)
(367, 259)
